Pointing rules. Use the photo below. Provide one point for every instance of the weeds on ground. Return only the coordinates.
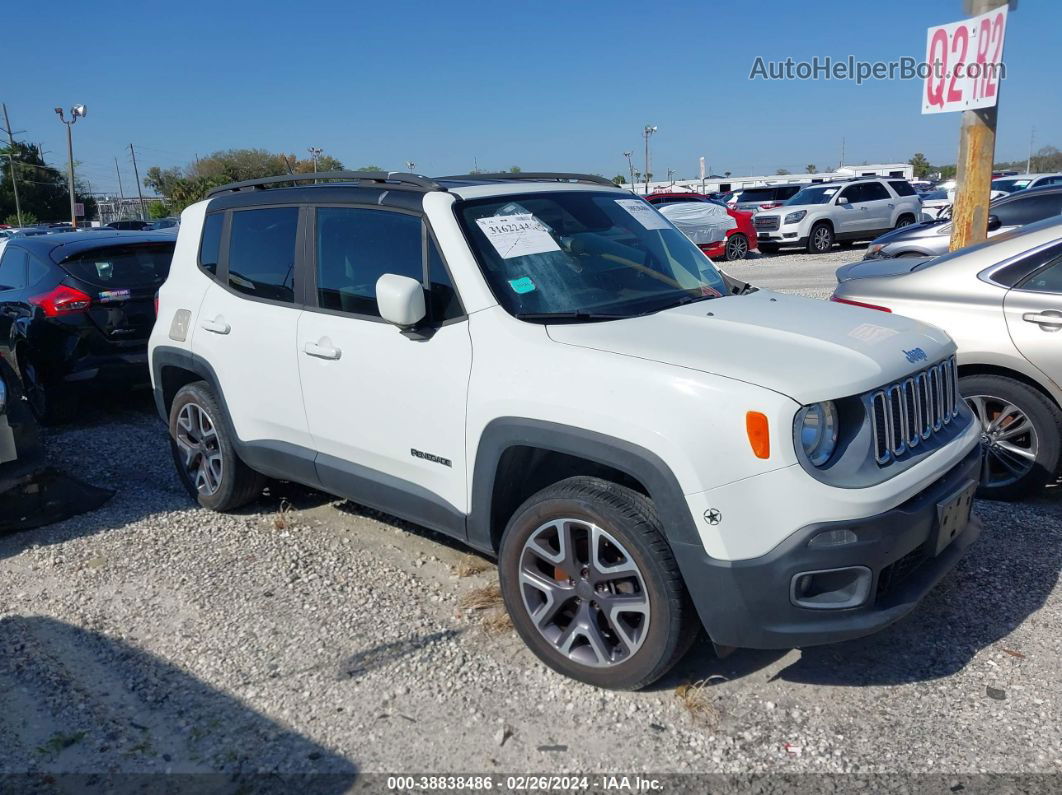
(470, 565)
(482, 598)
(282, 518)
(693, 696)
(59, 742)
(497, 622)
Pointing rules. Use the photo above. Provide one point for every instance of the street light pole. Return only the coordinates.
(649, 130)
(76, 112)
(630, 165)
(315, 152)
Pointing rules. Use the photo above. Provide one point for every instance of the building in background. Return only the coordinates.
(717, 184)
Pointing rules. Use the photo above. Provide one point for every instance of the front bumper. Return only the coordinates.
(748, 603)
(784, 236)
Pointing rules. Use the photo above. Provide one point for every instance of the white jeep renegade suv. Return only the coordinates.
(543, 367)
(842, 212)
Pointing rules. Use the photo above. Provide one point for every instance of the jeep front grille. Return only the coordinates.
(908, 413)
(766, 222)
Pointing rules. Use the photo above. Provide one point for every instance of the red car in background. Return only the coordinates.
(739, 241)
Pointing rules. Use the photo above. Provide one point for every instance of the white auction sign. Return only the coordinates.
(965, 63)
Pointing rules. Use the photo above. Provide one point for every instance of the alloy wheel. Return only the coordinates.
(904, 222)
(583, 592)
(1008, 440)
(736, 247)
(821, 238)
(197, 439)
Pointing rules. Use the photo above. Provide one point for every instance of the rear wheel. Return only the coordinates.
(904, 220)
(202, 448)
(50, 403)
(821, 239)
(1021, 436)
(737, 247)
(592, 587)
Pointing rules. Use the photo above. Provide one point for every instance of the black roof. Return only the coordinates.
(64, 245)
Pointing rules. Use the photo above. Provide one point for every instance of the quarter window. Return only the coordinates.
(210, 247)
(355, 247)
(1046, 280)
(262, 253)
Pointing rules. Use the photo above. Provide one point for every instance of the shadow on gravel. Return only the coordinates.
(1007, 576)
(385, 654)
(80, 710)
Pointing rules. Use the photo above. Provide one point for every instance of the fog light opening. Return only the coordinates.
(831, 589)
(833, 538)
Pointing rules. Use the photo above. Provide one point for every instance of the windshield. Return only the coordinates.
(586, 254)
(1010, 185)
(820, 194)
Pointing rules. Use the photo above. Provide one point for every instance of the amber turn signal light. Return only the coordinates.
(759, 433)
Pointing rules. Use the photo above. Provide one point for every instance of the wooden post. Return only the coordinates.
(977, 151)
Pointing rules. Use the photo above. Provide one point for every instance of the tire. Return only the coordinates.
(651, 638)
(737, 247)
(904, 220)
(202, 449)
(51, 404)
(820, 239)
(1005, 474)
(768, 248)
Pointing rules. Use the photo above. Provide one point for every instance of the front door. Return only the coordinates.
(854, 217)
(1034, 318)
(386, 409)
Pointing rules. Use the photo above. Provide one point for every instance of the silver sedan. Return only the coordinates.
(1001, 301)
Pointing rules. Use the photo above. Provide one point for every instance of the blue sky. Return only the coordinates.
(547, 86)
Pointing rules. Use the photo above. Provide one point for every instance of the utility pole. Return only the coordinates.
(841, 164)
(139, 192)
(11, 163)
(121, 193)
(1028, 163)
(630, 165)
(977, 151)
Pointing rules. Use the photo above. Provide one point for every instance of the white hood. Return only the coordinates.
(805, 348)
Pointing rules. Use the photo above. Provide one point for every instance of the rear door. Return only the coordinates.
(246, 331)
(1034, 318)
(879, 206)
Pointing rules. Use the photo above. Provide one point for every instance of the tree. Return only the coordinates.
(42, 189)
(619, 179)
(157, 209)
(515, 170)
(371, 168)
(726, 173)
(811, 168)
(28, 219)
(921, 165)
(782, 171)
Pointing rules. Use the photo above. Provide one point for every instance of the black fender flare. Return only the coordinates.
(639, 463)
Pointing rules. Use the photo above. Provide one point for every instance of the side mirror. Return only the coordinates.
(843, 200)
(994, 223)
(400, 299)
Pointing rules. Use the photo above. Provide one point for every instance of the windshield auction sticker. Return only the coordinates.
(643, 213)
(517, 235)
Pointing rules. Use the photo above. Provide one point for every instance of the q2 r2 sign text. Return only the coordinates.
(965, 61)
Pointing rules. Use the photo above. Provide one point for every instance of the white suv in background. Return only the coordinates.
(544, 368)
(842, 212)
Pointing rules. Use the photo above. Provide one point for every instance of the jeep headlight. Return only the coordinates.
(793, 218)
(817, 430)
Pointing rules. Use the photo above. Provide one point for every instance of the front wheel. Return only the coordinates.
(821, 239)
(737, 247)
(202, 449)
(592, 587)
(1021, 436)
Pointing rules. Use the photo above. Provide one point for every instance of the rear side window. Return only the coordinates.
(121, 267)
(13, 268)
(1027, 209)
(902, 187)
(355, 247)
(262, 253)
(874, 191)
(1046, 280)
(210, 246)
(788, 192)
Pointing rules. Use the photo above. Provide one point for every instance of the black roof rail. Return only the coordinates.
(392, 179)
(535, 176)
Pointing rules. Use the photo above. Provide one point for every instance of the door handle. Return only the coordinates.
(322, 350)
(1048, 317)
(891, 205)
(216, 326)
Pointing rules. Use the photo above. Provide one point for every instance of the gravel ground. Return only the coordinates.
(305, 634)
(795, 271)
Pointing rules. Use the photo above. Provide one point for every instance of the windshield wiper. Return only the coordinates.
(568, 317)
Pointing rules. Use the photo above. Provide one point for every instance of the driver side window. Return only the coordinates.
(853, 193)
